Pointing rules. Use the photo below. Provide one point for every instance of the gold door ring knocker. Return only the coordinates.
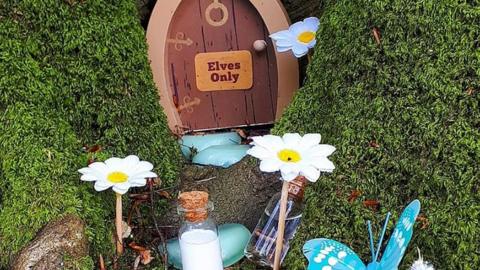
(216, 5)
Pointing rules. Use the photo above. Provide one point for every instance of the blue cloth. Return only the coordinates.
(221, 155)
(201, 142)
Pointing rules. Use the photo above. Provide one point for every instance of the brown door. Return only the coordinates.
(203, 26)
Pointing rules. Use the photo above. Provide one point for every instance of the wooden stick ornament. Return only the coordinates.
(120, 175)
(281, 225)
(294, 156)
(118, 223)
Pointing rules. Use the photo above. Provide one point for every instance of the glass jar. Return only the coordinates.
(198, 235)
(261, 247)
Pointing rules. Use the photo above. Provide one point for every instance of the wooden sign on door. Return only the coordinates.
(208, 74)
(224, 71)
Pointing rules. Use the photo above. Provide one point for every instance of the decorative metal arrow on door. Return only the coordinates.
(180, 41)
(216, 4)
(188, 104)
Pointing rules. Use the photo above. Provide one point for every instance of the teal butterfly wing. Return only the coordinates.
(400, 238)
(327, 254)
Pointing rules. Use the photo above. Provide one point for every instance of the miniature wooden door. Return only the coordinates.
(214, 75)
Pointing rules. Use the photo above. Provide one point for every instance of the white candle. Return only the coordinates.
(200, 250)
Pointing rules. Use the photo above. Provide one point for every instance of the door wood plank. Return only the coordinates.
(250, 27)
(187, 20)
(229, 105)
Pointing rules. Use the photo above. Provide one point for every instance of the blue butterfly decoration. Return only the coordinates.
(327, 254)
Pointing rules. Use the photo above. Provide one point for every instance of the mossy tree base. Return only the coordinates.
(405, 116)
(74, 73)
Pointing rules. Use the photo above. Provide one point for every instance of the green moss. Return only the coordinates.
(39, 183)
(89, 61)
(301, 9)
(85, 263)
(73, 73)
(411, 95)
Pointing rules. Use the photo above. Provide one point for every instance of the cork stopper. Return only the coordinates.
(296, 188)
(194, 205)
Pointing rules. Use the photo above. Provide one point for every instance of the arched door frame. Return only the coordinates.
(275, 18)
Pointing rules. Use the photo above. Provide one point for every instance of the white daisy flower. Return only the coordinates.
(293, 155)
(420, 264)
(299, 38)
(118, 173)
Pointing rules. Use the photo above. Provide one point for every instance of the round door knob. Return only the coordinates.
(259, 45)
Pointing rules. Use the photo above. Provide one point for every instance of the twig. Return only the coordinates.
(206, 179)
(133, 206)
(377, 35)
(101, 262)
(162, 237)
(137, 262)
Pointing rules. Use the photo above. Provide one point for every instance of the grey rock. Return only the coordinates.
(59, 238)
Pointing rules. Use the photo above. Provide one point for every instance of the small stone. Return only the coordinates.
(59, 238)
(126, 230)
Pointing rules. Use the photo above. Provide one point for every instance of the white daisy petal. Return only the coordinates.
(129, 162)
(321, 150)
(99, 167)
(299, 50)
(288, 176)
(102, 185)
(311, 24)
(96, 170)
(121, 188)
(312, 44)
(144, 175)
(310, 140)
(269, 142)
(143, 166)
(259, 152)
(311, 173)
(132, 159)
(85, 170)
(298, 28)
(323, 164)
(290, 167)
(114, 163)
(284, 49)
(285, 34)
(270, 165)
(138, 182)
(89, 177)
(291, 140)
(284, 43)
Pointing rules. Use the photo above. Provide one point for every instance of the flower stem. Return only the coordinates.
(281, 226)
(118, 223)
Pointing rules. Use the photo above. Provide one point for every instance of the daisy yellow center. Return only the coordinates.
(117, 177)
(306, 37)
(288, 155)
